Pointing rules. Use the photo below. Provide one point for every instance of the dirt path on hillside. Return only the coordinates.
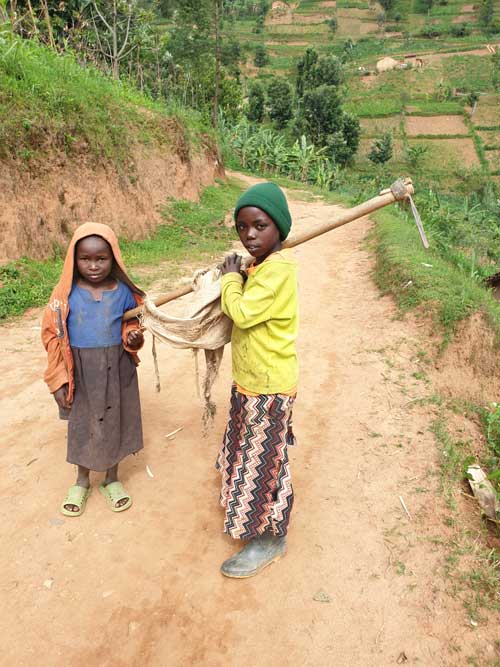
(360, 584)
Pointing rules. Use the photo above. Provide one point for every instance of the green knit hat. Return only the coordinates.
(271, 199)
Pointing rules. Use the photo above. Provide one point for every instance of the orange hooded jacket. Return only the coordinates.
(54, 330)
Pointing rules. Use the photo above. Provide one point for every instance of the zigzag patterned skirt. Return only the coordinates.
(257, 491)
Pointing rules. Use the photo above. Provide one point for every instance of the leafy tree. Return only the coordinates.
(256, 102)
(347, 49)
(387, 5)
(199, 51)
(314, 71)
(305, 67)
(332, 25)
(322, 120)
(111, 34)
(351, 130)
(328, 71)
(167, 7)
(320, 114)
(259, 25)
(280, 101)
(191, 35)
(230, 98)
(261, 59)
(381, 149)
(460, 30)
(486, 12)
(231, 53)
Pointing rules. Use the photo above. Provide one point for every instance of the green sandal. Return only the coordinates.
(78, 496)
(114, 492)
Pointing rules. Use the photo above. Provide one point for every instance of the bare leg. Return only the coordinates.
(112, 476)
(81, 480)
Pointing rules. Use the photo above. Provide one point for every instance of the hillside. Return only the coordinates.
(442, 95)
(75, 146)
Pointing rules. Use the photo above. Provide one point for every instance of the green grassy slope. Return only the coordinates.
(47, 101)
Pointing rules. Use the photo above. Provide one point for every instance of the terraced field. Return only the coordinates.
(443, 55)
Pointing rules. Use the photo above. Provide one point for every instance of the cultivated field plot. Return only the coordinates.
(445, 155)
(439, 125)
(285, 42)
(310, 31)
(426, 107)
(491, 100)
(416, 21)
(374, 127)
(490, 138)
(493, 158)
(469, 71)
(308, 19)
(352, 27)
(393, 82)
(465, 18)
(288, 51)
(373, 107)
(361, 14)
(486, 114)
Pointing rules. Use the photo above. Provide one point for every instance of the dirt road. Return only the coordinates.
(361, 584)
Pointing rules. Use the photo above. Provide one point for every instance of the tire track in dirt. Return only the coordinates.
(359, 584)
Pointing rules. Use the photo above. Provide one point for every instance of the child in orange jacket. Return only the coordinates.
(92, 359)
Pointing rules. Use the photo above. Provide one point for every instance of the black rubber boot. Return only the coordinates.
(255, 556)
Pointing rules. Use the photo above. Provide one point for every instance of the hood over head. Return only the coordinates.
(105, 232)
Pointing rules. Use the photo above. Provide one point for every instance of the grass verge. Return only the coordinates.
(416, 276)
(472, 566)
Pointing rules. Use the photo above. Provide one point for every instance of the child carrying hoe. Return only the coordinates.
(92, 362)
(256, 491)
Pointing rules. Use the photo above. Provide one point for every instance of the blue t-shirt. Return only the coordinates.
(94, 323)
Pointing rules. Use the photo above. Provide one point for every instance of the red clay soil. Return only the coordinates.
(362, 583)
(416, 125)
(41, 208)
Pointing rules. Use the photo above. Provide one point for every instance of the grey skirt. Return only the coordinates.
(104, 424)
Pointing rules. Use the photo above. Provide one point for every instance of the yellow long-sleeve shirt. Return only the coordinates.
(264, 311)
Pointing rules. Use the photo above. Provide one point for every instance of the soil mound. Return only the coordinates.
(41, 207)
(469, 368)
